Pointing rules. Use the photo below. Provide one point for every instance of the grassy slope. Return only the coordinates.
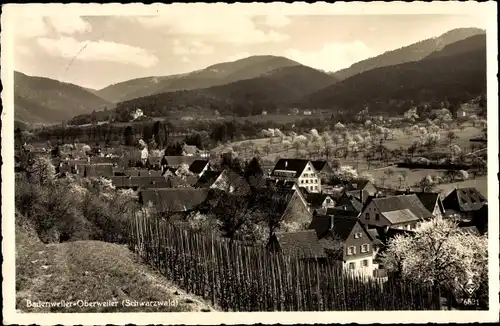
(92, 271)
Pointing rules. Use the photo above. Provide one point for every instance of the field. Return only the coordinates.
(480, 183)
(415, 175)
(271, 148)
(404, 140)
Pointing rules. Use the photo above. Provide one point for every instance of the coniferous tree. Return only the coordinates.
(128, 136)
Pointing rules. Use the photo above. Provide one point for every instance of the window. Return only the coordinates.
(367, 216)
(315, 187)
(352, 265)
(309, 169)
(358, 235)
(365, 247)
(328, 201)
(301, 181)
(377, 217)
(315, 180)
(351, 250)
(365, 263)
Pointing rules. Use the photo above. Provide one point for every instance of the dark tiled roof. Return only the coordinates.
(235, 181)
(319, 165)
(174, 200)
(77, 162)
(428, 199)
(207, 179)
(302, 244)
(136, 182)
(316, 199)
(292, 165)
(402, 202)
(176, 161)
(321, 224)
(468, 199)
(359, 194)
(111, 160)
(129, 173)
(278, 201)
(356, 185)
(339, 211)
(181, 182)
(281, 183)
(198, 166)
(342, 226)
(150, 173)
(350, 202)
(99, 170)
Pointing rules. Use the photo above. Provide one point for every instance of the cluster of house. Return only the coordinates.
(356, 224)
(350, 222)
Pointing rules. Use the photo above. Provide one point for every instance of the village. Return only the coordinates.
(307, 210)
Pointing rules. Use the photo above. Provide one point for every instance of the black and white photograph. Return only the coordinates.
(206, 161)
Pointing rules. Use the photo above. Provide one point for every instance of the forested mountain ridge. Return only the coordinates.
(214, 75)
(413, 52)
(268, 92)
(45, 100)
(450, 74)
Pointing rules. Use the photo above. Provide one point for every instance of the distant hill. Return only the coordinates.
(457, 73)
(45, 100)
(410, 53)
(470, 44)
(268, 92)
(218, 74)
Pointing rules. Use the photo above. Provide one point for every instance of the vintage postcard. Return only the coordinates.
(250, 163)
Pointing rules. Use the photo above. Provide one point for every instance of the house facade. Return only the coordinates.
(401, 212)
(467, 110)
(300, 171)
(346, 239)
(358, 251)
(137, 113)
(319, 201)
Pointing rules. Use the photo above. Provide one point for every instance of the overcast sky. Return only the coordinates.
(96, 51)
